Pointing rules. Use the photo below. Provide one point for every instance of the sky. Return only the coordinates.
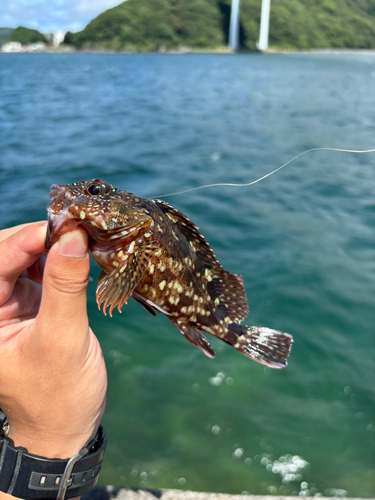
(52, 15)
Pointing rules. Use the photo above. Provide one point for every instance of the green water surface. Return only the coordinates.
(303, 240)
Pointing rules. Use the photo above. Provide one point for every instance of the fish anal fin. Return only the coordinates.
(264, 345)
(196, 338)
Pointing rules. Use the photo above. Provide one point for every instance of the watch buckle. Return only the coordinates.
(67, 479)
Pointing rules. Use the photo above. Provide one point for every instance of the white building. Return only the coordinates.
(12, 47)
(36, 47)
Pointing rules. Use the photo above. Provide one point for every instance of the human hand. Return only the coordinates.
(52, 373)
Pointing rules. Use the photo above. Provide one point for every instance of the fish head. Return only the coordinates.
(95, 205)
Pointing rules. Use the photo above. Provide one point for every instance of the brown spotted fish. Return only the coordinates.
(153, 253)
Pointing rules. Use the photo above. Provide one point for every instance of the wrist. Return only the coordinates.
(52, 444)
(53, 434)
(26, 476)
(5, 496)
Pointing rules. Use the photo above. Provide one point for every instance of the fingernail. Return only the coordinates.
(41, 231)
(73, 244)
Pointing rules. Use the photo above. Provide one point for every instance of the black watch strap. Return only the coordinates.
(32, 477)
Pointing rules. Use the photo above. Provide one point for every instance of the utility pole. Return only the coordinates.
(264, 25)
(234, 25)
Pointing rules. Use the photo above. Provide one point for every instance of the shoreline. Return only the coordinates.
(219, 51)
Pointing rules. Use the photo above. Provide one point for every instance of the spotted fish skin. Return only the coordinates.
(153, 253)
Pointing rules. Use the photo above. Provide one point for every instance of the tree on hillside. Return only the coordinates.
(148, 25)
(151, 24)
(27, 36)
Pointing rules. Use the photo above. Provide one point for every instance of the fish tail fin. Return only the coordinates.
(266, 346)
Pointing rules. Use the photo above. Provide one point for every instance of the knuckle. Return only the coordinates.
(65, 285)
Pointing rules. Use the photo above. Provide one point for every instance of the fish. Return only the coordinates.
(153, 253)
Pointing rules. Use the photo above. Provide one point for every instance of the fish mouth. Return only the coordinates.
(51, 220)
(60, 220)
(60, 197)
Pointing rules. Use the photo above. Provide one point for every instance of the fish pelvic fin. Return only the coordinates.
(264, 345)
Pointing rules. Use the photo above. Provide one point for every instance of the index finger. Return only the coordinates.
(9, 231)
(18, 251)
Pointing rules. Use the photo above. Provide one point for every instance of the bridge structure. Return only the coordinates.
(234, 26)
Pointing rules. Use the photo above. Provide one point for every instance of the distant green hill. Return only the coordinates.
(149, 25)
(27, 36)
(306, 24)
(5, 34)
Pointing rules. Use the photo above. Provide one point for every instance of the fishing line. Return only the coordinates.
(269, 174)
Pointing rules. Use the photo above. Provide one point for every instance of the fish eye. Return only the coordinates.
(96, 187)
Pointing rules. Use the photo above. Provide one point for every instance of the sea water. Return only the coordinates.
(303, 240)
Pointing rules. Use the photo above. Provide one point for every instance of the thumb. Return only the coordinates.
(62, 312)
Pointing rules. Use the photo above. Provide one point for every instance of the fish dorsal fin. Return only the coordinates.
(227, 289)
(191, 233)
(115, 288)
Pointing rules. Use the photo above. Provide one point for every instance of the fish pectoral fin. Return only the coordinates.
(101, 276)
(112, 290)
(267, 347)
(196, 338)
(115, 288)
